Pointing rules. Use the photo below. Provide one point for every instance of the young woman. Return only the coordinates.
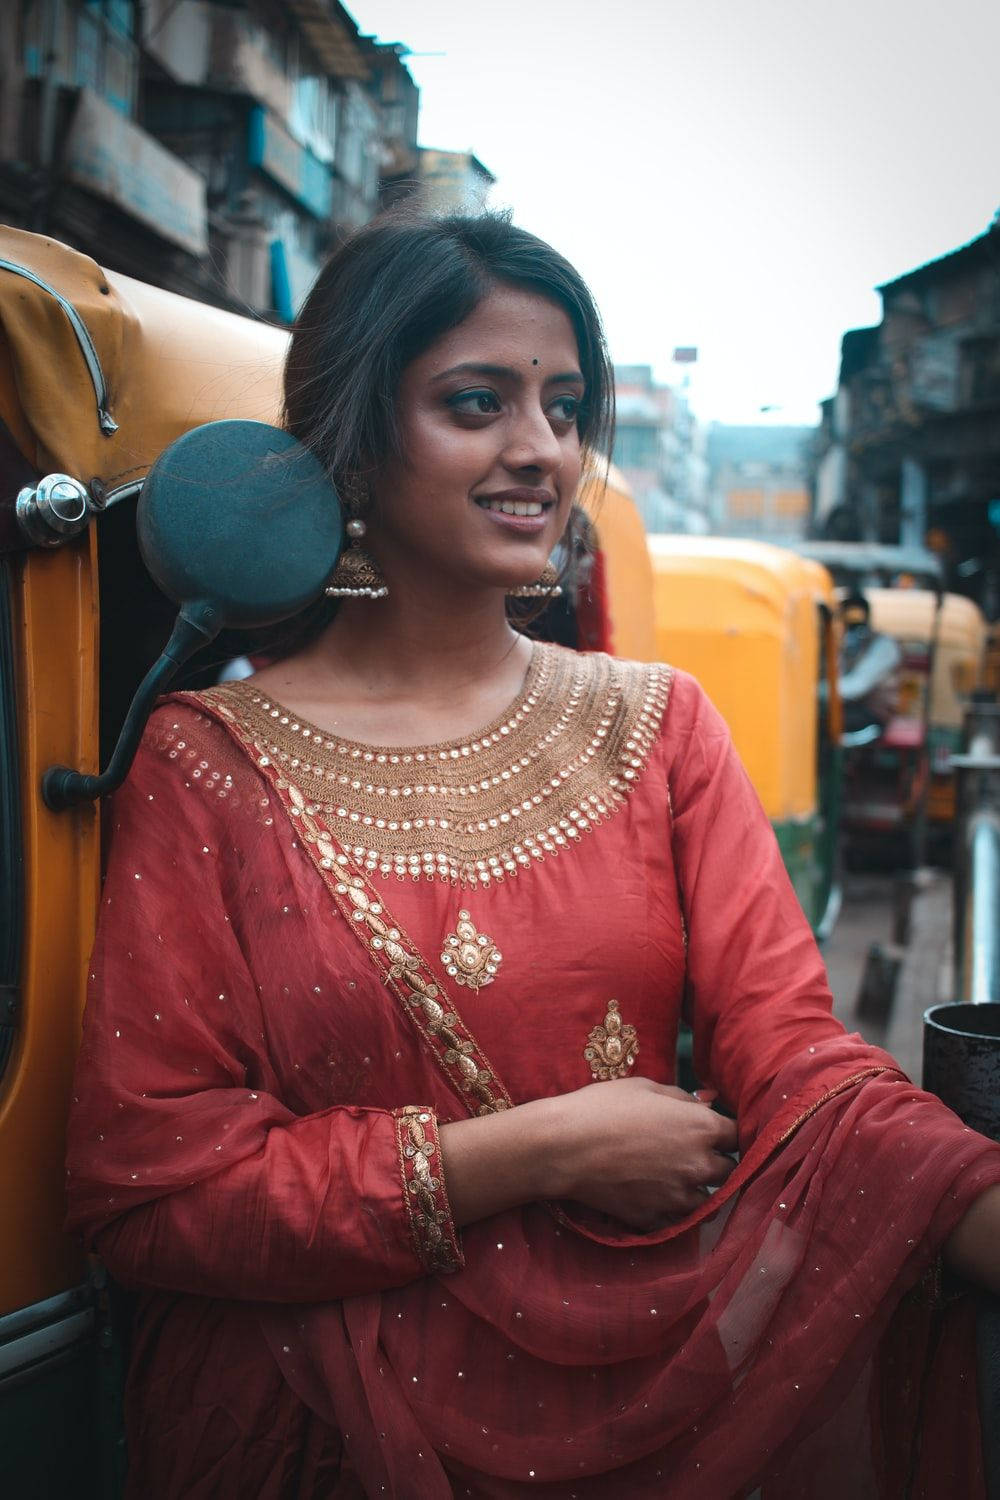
(375, 1104)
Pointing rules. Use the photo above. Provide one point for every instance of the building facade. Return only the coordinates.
(218, 150)
(759, 481)
(909, 447)
(659, 447)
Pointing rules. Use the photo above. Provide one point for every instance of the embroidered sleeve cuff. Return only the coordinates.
(435, 1237)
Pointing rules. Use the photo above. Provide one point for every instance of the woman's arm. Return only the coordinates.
(638, 1150)
(973, 1249)
(757, 988)
(188, 1166)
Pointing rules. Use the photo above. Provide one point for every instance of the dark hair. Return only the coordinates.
(384, 297)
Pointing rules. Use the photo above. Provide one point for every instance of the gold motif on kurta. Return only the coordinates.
(470, 956)
(560, 762)
(611, 1049)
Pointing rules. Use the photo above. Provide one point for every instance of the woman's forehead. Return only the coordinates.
(510, 326)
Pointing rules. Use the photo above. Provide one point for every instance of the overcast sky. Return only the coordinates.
(735, 174)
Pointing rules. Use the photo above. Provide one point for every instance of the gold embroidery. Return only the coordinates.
(455, 1050)
(530, 786)
(431, 1222)
(612, 1048)
(470, 956)
(423, 999)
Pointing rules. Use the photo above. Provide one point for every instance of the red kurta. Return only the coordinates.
(313, 952)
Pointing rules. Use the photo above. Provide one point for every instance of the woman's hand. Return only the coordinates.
(638, 1150)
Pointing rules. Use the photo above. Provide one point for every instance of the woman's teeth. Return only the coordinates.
(514, 507)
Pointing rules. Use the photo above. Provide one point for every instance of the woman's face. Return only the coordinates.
(490, 449)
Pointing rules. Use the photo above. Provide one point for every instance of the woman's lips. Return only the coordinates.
(528, 517)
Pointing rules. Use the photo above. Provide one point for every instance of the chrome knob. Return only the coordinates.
(53, 510)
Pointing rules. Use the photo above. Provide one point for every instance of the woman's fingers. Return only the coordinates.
(727, 1138)
(719, 1169)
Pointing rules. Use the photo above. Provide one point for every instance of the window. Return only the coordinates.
(312, 116)
(105, 57)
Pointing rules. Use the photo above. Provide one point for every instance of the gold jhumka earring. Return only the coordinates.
(546, 586)
(356, 575)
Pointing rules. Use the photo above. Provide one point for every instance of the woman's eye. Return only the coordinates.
(565, 408)
(475, 403)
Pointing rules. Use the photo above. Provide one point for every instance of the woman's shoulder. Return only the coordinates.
(187, 756)
(184, 724)
(656, 698)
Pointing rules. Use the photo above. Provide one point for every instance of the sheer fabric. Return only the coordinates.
(240, 1136)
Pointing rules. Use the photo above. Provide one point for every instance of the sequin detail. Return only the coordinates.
(431, 1223)
(611, 1049)
(470, 957)
(483, 810)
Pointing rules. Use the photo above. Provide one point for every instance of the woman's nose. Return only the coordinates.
(532, 444)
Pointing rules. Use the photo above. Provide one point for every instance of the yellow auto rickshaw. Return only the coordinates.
(757, 626)
(950, 631)
(98, 373)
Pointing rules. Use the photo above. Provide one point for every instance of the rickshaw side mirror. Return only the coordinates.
(240, 526)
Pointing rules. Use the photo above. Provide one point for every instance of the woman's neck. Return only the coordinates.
(409, 669)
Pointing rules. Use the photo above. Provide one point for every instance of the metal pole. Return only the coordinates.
(977, 856)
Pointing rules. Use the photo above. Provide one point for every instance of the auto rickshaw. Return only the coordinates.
(954, 627)
(98, 374)
(757, 625)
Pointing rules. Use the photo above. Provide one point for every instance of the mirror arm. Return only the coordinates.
(196, 626)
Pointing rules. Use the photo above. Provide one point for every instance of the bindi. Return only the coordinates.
(534, 361)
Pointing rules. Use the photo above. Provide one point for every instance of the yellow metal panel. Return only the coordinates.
(56, 647)
(629, 572)
(742, 618)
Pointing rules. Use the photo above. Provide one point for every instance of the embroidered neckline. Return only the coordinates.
(529, 785)
(365, 751)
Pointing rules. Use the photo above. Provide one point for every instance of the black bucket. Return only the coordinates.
(962, 1062)
(962, 1067)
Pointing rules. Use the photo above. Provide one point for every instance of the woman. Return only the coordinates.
(375, 1099)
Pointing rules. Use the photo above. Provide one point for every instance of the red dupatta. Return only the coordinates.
(733, 1349)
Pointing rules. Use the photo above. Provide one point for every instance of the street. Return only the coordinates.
(887, 1013)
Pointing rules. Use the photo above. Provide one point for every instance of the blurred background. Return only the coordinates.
(786, 212)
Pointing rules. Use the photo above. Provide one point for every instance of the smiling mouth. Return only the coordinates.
(516, 507)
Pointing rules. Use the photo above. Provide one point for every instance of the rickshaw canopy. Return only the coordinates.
(958, 630)
(743, 617)
(157, 364)
(628, 571)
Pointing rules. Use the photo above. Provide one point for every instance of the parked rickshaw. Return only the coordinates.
(98, 373)
(954, 627)
(757, 626)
